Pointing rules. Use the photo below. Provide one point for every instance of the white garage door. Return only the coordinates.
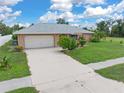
(39, 41)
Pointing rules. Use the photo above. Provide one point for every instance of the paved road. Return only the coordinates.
(104, 64)
(9, 85)
(4, 39)
(55, 72)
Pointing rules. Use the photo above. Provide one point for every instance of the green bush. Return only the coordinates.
(64, 42)
(121, 42)
(4, 63)
(82, 41)
(97, 36)
(95, 39)
(72, 44)
(67, 42)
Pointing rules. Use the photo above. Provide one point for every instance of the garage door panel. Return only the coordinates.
(39, 41)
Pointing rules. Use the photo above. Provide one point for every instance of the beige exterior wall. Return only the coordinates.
(87, 37)
(21, 41)
(56, 39)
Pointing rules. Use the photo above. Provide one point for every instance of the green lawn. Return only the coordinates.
(17, 61)
(115, 72)
(96, 52)
(24, 90)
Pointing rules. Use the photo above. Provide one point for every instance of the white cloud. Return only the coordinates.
(119, 7)
(67, 15)
(5, 9)
(48, 17)
(99, 20)
(9, 15)
(9, 2)
(62, 5)
(6, 12)
(52, 16)
(109, 11)
(24, 24)
(17, 13)
(115, 16)
(92, 2)
(97, 11)
(61, 1)
(2, 17)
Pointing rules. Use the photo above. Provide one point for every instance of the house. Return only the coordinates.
(47, 35)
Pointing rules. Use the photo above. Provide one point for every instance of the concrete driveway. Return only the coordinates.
(55, 72)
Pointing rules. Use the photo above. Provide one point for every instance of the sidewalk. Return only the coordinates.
(9, 85)
(108, 63)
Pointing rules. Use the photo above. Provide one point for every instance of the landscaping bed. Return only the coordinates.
(100, 51)
(17, 62)
(114, 72)
(25, 90)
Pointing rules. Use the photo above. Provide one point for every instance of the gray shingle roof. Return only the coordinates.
(52, 29)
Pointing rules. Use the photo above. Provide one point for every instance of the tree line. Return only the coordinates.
(6, 30)
(109, 27)
(113, 28)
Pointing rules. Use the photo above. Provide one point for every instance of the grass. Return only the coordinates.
(114, 72)
(17, 61)
(25, 90)
(96, 52)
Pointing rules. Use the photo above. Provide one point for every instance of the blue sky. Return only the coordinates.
(47, 11)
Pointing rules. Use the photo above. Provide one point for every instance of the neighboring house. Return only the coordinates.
(47, 35)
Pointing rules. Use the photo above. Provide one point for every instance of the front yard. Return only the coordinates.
(17, 61)
(114, 72)
(96, 52)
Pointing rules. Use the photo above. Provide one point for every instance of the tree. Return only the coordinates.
(5, 30)
(110, 23)
(61, 21)
(103, 27)
(17, 27)
(98, 36)
(2, 27)
(118, 28)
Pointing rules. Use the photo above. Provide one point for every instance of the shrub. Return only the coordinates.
(95, 39)
(67, 42)
(4, 62)
(82, 41)
(64, 42)
(19, 48)
(121, 42)
(72, 44)
(111, 40)
(97, 36)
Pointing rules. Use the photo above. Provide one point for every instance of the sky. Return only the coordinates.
(25, 12)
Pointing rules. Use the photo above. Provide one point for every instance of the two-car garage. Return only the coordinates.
(37, 41)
